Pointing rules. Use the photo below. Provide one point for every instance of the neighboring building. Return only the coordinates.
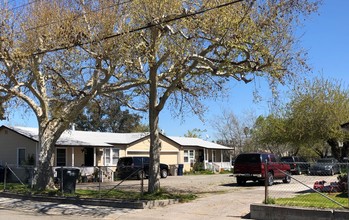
(88, 149)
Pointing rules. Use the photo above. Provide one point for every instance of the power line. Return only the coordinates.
(142, 28)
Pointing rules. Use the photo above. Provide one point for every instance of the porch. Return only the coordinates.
(211, 159)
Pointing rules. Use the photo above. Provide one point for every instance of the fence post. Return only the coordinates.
(348, 182)
(266, 182)
(99, 181)
(62, 179)
(142, 179)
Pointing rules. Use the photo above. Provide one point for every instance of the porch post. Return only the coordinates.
(205, 167)
(221, 158)
(94, 157)
(72, 157)
(208, 155)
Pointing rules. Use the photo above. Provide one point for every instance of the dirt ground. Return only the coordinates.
(198, 184)
(219, 198)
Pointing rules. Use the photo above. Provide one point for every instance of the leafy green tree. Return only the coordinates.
(315, 113)
(270, 133)
(105, 114)
(309, 124)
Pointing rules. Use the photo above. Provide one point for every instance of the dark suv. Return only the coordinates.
(129, 167)
(298, 165)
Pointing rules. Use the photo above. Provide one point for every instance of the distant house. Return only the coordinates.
(88, 149)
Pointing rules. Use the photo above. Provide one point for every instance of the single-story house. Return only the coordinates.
(18, 145)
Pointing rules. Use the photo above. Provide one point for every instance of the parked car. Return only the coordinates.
(128, 167)
(251, 166)
(298, 165)
(325, 166)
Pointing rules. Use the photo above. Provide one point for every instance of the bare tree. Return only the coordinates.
(233, 131)
(190, 49)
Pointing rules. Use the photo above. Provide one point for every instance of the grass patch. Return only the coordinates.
(16, 188)
(103, 194)
(206, 172)
(118, 194)
(269, 201)
(315, 200)
(200, 172)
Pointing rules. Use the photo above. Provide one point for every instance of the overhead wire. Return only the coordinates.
(182, 16)
(142, 28)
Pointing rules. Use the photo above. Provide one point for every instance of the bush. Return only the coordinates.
(343, 181)
(199, 166)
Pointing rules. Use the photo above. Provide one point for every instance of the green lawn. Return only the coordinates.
(106, 194)
(315, 200)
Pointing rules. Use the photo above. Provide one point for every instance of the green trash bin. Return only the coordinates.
(2, 173)
(67, 178)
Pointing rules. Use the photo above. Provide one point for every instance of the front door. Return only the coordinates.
(89, 156)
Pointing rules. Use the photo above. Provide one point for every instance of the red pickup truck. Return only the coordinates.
(251, 166)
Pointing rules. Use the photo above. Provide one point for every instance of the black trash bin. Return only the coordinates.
(2, 174)
(68, 179)
(180, 169)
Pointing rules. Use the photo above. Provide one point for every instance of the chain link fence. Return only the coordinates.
(320, 185)
(102, 179)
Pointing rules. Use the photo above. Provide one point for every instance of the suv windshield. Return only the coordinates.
(248, 158)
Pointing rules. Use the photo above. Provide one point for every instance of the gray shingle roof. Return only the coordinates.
(107, 139)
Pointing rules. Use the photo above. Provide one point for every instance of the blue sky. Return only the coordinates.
(326, 38)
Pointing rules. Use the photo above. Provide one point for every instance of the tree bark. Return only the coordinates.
(155, 149)
(48, 135)
(155, 144)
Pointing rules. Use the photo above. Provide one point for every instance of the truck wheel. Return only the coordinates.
(163, 173)
(270, 179)
(240, 181)
(287, 178)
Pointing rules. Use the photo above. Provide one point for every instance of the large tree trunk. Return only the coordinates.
(335, 149)
(48, 135)
(155, 148)
(155, 144)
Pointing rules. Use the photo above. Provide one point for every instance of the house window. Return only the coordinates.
(21, 156)
(189, 156)
(111, 156)
(61, 157)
